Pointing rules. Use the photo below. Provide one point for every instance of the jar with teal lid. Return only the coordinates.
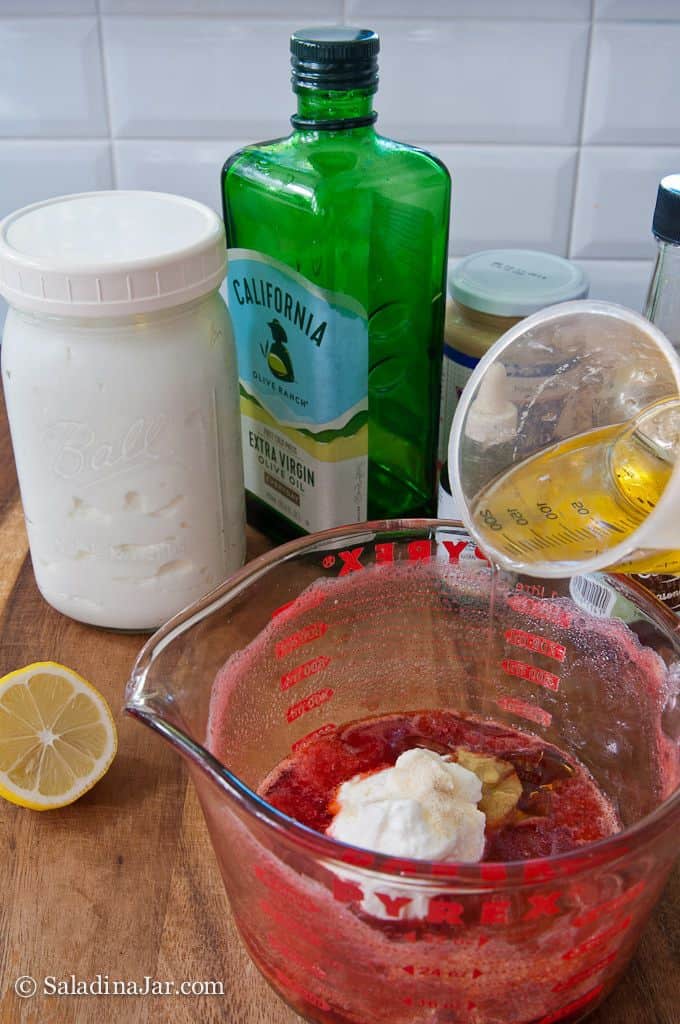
(489, 293)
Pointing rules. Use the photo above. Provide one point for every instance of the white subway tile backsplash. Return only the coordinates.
(622, 281)
(482, 81)
(51, 78)
(638, 10)
(634, 84)
(35, 170)
(198, 78)
(301, 8)
(546, 9)
(9, 7)
(514, 196)
(185, 168)
(494, 87)
(615, 200)
(531, 208)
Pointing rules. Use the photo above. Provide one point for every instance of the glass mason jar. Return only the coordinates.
(120, 378)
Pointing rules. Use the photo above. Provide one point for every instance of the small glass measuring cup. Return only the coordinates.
(398, 616)
(564, 452)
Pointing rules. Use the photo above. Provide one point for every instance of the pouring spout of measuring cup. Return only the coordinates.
(563, 450)
(658, 427)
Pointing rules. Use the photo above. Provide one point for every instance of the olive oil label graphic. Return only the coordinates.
(278, 357)
(303, 373)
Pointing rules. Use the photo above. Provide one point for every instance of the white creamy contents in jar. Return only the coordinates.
(424, 807)
(122, 394)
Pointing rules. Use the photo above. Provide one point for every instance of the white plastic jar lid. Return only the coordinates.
(515, 282)
(109, 254)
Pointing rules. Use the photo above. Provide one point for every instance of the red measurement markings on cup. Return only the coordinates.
(289, 923)
(610, 907)
(314, 700)
(585, 974)
(578, 1004)
(436, 1004)
(535, 589)
(292, 930)
(532, 674)
(529, 711)
(314, 631)
(301, 604)
(292, 956)
(292, 985)
(601, 939)
(442, 972)
(536, 644)
(281, 888)
(538, 609)
(323, 730)
(304, 671)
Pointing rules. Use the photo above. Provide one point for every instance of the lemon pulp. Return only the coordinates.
(57, 736)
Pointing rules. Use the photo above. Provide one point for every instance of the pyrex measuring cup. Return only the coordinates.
(564, 453)
(392, 617)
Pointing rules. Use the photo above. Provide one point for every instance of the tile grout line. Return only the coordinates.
(237, 136)
(107, 96)
(413, 19)
(582, 120)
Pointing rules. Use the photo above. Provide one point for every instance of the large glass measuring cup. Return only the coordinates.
(564, 452)
(397, 617)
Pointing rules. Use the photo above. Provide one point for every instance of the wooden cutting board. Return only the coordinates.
(124, 884)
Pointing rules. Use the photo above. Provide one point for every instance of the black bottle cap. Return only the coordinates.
(666, 222)
(336, 58)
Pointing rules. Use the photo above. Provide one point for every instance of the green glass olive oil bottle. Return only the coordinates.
(337, 243)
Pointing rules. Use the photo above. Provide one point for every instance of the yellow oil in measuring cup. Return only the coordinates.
(562, 453)
(581, 496)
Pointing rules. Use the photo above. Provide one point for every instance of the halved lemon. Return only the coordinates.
(57, 736)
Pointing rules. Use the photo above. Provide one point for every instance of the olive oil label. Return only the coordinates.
(303, 374)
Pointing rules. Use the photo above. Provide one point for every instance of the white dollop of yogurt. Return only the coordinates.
(424, 807)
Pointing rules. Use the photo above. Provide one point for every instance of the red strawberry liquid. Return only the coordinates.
(560, 807)
(479, 957)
